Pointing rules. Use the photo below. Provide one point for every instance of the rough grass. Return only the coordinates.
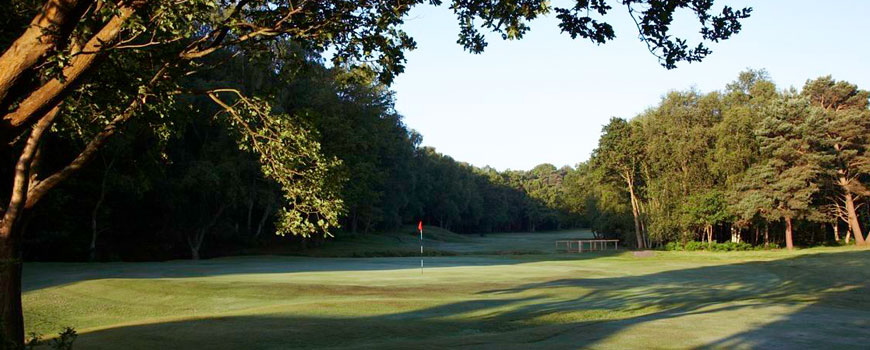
(772, 299)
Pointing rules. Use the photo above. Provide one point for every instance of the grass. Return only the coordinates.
(771, 299)
(438, 242)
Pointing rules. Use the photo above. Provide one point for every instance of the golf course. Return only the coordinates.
(466, 174)
(501, 291)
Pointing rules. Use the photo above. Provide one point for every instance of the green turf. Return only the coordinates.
(437, 242)
(811, 298)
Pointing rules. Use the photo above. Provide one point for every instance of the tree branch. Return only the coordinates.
(53, 91)
(40, 38)
(22, 168)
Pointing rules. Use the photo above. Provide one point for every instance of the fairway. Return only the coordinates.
(769, 300)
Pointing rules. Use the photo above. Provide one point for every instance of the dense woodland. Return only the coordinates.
(745, 164)
(750, 163)
(197, 191)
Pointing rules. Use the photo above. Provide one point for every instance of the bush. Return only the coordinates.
(692, 246)
(695, 245)
(64, 340)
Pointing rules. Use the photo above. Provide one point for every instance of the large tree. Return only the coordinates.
(677, 139)
(620, 153)
(782, 186)
(847, 120)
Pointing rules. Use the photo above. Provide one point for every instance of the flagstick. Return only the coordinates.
(421, 250)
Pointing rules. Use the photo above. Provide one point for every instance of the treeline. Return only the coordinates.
(201, 190)
(750, 164)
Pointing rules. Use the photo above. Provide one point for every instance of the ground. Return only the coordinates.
(503, 291)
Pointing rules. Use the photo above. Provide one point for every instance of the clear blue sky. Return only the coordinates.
(544, 99)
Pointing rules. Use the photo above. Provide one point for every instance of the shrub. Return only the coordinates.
(64, 340)
(692, 246)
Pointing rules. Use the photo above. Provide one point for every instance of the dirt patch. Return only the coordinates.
(644, 254)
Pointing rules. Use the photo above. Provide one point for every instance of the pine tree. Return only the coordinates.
(782, 186)
(846, 121)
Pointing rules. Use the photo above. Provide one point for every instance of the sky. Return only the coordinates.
(544, 99)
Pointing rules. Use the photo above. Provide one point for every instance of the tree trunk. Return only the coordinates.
(263, 218)
(836, 226)
(196, 242)
(92, 249)
(854, 226)
(788, 234)
(735, 235)
(353, 221)
(194, 252)
(92, 256)
(635, 211)
(766, 235)
(11, 317)
(250, 211)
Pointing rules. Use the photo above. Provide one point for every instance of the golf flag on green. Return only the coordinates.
(420, 228)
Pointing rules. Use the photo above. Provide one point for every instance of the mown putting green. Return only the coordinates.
(812, 298)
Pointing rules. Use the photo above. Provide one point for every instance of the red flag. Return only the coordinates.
(420, 226)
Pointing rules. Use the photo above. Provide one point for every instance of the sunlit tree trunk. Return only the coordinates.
(788, 234)
(735, 235)
(40, 38)
(852, 215)
(635, 211)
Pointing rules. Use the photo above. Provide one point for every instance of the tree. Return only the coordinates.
(847, 120)
(620, 153)
(705, 210)
(736, 146)
(783, 185)
(677, 141)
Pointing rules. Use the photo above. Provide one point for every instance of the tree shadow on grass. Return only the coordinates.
(44, 275)
(802, 302)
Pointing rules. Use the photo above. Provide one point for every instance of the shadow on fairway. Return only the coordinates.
(44, 275)
(823, 297)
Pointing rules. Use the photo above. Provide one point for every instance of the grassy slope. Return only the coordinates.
(437, 242)
(776, 299)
